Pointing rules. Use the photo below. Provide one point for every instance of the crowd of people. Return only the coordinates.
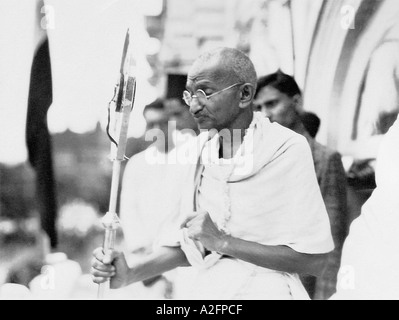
(237, 199)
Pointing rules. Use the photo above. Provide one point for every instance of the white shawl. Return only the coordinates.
(268, 194)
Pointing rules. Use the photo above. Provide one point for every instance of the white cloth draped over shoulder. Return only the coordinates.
(268, 194)
(370, 261)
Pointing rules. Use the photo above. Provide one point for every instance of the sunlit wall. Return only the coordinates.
(86, 42)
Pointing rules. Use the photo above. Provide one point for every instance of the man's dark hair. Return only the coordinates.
(281, 82)
(311, 123)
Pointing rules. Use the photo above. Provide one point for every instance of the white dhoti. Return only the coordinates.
(231, 279)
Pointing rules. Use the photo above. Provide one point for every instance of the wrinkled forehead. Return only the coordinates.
(210, 72)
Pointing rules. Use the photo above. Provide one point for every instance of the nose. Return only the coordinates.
(195, 106)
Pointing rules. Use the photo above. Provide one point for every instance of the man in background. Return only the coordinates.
(151, 191)
(279, 98)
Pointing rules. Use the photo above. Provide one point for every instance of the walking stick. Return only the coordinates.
(124, 97)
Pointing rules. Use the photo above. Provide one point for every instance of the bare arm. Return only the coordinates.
(279, 258)
(114, 266)
(163, 260)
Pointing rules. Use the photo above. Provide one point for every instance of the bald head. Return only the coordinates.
(223, 82)
(232, 66)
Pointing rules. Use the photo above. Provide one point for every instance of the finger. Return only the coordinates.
(199, 220)
(195, 217)
(102, 267)
(99, 280)
(190, 224)
(188, 219)
(193, 237)
(111, 257)
(206, 215)
(98, 254)
(102, 274)
(193, 234)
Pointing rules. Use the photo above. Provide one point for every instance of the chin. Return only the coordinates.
(204, 124)
(204, 129)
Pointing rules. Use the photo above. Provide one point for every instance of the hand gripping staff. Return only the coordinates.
(124, 97)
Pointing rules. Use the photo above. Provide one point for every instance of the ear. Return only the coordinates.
(298, 102)
(247, 95)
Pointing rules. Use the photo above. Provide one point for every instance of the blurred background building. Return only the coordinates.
(343, 53)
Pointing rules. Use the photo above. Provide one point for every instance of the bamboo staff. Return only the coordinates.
(125, 95)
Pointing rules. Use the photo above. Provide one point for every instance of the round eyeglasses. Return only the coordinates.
(202, 96)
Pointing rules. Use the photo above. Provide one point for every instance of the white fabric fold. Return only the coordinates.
(195, 252)
(267, 194)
